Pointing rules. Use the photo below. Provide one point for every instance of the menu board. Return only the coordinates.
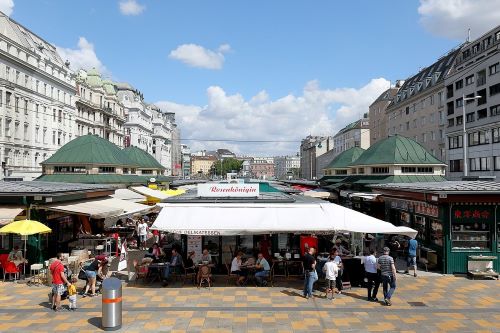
(194, 244)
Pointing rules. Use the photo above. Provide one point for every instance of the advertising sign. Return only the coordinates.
(228, 190)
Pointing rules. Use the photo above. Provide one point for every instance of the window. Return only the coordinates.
(469, 80)
(17, 76)
(496, 160)
(431, 118)
(380, 170)
(26, 130)
(433, 136)
(407, 125)
(7, 73)
(424, 137)
(7, 127)
(477, 138)
(481, 77)
(422, 121)
(479, 164)
(449, 91)
(460, 120)
(495, 89)
(37, 134)
(481, 100)
(53, 137)
(495, 134)
(16, 105)
(455, 142)
(147, 172)
(341, 172)
(470, 117)
(70, 169)
(425, 170)
(459, 85)
(106, 169)
(495, 110)
(408, 169)
(441, 134)
(16, 129)
(494, 68)
(456, 165)
(469, 99)
(483, 113)
(451, 122)
(440, 99)
(497, 36)
(431, 100)
(44, 137)
(459, 102)
(450, 107)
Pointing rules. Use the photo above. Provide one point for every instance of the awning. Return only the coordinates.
(8, 213)
(150, 192)
(335, 180)
(98, 208)
(365, 196)
(228, 219)
(317, 194)
(128, 195)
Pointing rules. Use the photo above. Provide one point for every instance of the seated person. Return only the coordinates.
(16, 256)
(263, 270)
(205, 256)
(236, 269)
(154, 252)
(189, 265)
(175, 264)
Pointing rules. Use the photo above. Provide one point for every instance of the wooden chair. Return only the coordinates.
(141, 271)
(230, 275)
(189, 273)
(205, 276)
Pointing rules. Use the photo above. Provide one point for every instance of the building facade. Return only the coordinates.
(378, 116)
(310, 148)
(202, 165)
(418, 110)
(37, 98)
(262, 167)
(286, 166)
(356, 134)
(475, 76)
(186, 161)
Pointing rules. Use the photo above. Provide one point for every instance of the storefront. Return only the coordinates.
(455, 220)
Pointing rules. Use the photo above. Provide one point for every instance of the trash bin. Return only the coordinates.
(111, 304)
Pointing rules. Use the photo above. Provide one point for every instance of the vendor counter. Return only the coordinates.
(353, 270)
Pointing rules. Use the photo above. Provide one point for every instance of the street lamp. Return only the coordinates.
(464, 99)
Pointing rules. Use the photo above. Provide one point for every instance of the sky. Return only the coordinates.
(275, 71)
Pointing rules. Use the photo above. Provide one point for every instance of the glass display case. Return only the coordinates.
(470, 236)
(436, 232)
(420, 226)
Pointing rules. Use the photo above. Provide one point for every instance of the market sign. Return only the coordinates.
(426, 209)
(228, 190)
(473, 213)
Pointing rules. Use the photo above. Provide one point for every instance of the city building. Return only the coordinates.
(325, 152)
(99, 111)
(286, 167)
(37, 101)
(176, 147)
(310, 148)
(377, 113)
(262, 167)
(202, 165)
(418, 110)
(356, 134)
(186, 161)
(475, 76)
(224, 153)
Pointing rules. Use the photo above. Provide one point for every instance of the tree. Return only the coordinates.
(227, 165)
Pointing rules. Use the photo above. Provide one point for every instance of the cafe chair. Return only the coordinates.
(141, 270)
(205, 276)
(231, 276)
(189, 273)
(8, 267)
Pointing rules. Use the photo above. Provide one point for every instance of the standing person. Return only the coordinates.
(388, 272)
(142, 231)
(58, 281)
(72, 294)
(311, 275)
(91, 273)
(394, 247)
(263, 270)
(340, 265)
(331, 271)
(412, 256)
(156, 235)
(372, 276)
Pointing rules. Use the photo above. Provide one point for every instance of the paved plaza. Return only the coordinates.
(423, 304)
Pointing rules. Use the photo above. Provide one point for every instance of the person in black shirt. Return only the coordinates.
(311, 275)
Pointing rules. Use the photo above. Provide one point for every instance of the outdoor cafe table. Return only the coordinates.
(155, 270)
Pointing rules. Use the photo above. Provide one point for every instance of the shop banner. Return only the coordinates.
(228, 190)
(472, 213)
(123, 257)
(194, 244)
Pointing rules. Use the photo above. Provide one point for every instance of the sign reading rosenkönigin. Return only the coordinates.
(228, 190)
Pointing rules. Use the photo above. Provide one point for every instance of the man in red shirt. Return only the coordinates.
(58, 281)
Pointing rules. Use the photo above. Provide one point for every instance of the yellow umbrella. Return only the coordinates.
(173, 193)
(25, 228)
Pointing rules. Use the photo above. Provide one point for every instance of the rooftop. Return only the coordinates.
(452, 187)
(142, 158)
(41, 187)
(346, 158)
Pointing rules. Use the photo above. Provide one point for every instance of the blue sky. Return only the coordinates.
(273, 52)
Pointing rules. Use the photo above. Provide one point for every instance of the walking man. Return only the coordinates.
(311, 275)
(58, 281)
(388, 272)
(412, 256)
(372, 276)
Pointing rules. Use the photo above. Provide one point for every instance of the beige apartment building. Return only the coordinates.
(418, 110)
(202, 164)
(377, 115)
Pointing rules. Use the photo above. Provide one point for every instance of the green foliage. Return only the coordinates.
(226, 165)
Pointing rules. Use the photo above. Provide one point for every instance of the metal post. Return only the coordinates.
(465, 137)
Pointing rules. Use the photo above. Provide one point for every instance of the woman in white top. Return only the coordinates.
(236, 269)
(331, 271)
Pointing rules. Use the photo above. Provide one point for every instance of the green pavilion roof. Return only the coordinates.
(102, 178)
(396, 150)
(345, 159)
(142, 158)
(90, 149)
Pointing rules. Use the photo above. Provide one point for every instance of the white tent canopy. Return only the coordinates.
(230, 219)
(150, 192)
(128, 195)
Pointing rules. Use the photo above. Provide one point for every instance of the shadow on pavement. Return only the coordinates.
(95, 321)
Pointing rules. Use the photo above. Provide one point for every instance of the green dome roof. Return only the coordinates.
(345, 158)
(93, 78)
(109, 87)
(142, 158)
(396, 150)
(89, 149)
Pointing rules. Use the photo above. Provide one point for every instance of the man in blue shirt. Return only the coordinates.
(372, 276)
(263, 270)
(412, 256)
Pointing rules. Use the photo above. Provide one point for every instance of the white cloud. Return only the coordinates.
(198, 56)
(290, 118)
(83, 56)
(131, 7)
(7, 7)
(452, 18)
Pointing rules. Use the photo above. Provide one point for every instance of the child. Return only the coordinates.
(72, 294)
(331, 271)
